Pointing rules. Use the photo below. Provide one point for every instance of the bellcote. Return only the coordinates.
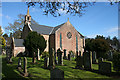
(27, 17)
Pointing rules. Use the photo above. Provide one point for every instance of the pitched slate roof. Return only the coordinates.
(42, 29)
(56, 28)
(19, 42)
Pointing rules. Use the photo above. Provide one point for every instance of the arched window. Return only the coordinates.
(76, 43)
(60, 41)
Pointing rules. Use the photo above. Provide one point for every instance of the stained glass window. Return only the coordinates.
(60, 41)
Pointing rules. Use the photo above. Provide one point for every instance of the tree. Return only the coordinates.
(89, 44)
(33, 42)
(73, 8)
(2, 40)
(5, 35)
(101, 47)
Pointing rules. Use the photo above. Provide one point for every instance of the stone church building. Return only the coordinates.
(63, 36)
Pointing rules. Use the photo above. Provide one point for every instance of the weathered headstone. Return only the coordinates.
(60, 57)
(94, 57)
(100, 60)
(79, 53)
(51, 59)
(76, 54)
(46, 62)
(19, 63)
(34, 58)
(69, 56)
(87, 60)
(105, 67)
(56, 74)
(65, 57)
(25, 66)
(79, 62)
(38, 55)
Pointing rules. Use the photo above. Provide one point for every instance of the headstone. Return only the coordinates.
(46, 62)
(76, 54)
(79, 62)
(38, 56)
(110, 55)
(65, 57)
(100, 60)
(19, 63)
(60, 57)
(51, 59)
(25, 67)
(105, 67)
(34, 58)
(56, 74)
(69, 56)
(79, 53)
(94, 57)
(87, 60)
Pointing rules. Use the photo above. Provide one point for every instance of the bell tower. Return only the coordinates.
(27, 18)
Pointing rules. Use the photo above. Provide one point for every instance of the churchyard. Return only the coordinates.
(24, 68)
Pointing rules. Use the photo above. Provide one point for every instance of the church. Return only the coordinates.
(63, 36)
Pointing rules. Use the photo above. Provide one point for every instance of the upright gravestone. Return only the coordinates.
(51, 59)
(46, 62)
(65, 57)
(110, 55)
(76, 54)
(79, 53)
(79, 62)
(100, 60)
(105, 67)
(94, 57)
(56, 74)
(19, 63)
(88, 60)
(69, 56)
(38, 55)
(25, 67)
(60, 57)
(34, 58)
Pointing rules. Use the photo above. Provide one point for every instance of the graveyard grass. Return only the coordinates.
(37, 71)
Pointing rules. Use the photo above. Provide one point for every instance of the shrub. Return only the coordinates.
(116, 61)
(45, 54)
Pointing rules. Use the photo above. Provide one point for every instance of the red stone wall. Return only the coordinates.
(68, 44)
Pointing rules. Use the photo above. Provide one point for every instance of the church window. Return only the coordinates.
(27, 18)
(69, 35)
(76, 43)
(60, 41)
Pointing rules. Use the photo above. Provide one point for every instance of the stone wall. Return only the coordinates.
(68, 44)
(47, 39)
(18, 50)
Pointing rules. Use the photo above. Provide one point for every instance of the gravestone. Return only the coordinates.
(25, 66)
(94, 57)
(19, 63)
(79, 62)
(105, 67)
(46, 62)
(87, 60)
(38, 55)
(76, 54)
(65, 57)
(34, 58)
(56, 74)
(60, 57)
(69, 56)
(79, 53)
(51, 59)
(110, 55)
(100, 60)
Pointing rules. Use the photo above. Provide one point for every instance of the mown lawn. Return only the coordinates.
(38, 72)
